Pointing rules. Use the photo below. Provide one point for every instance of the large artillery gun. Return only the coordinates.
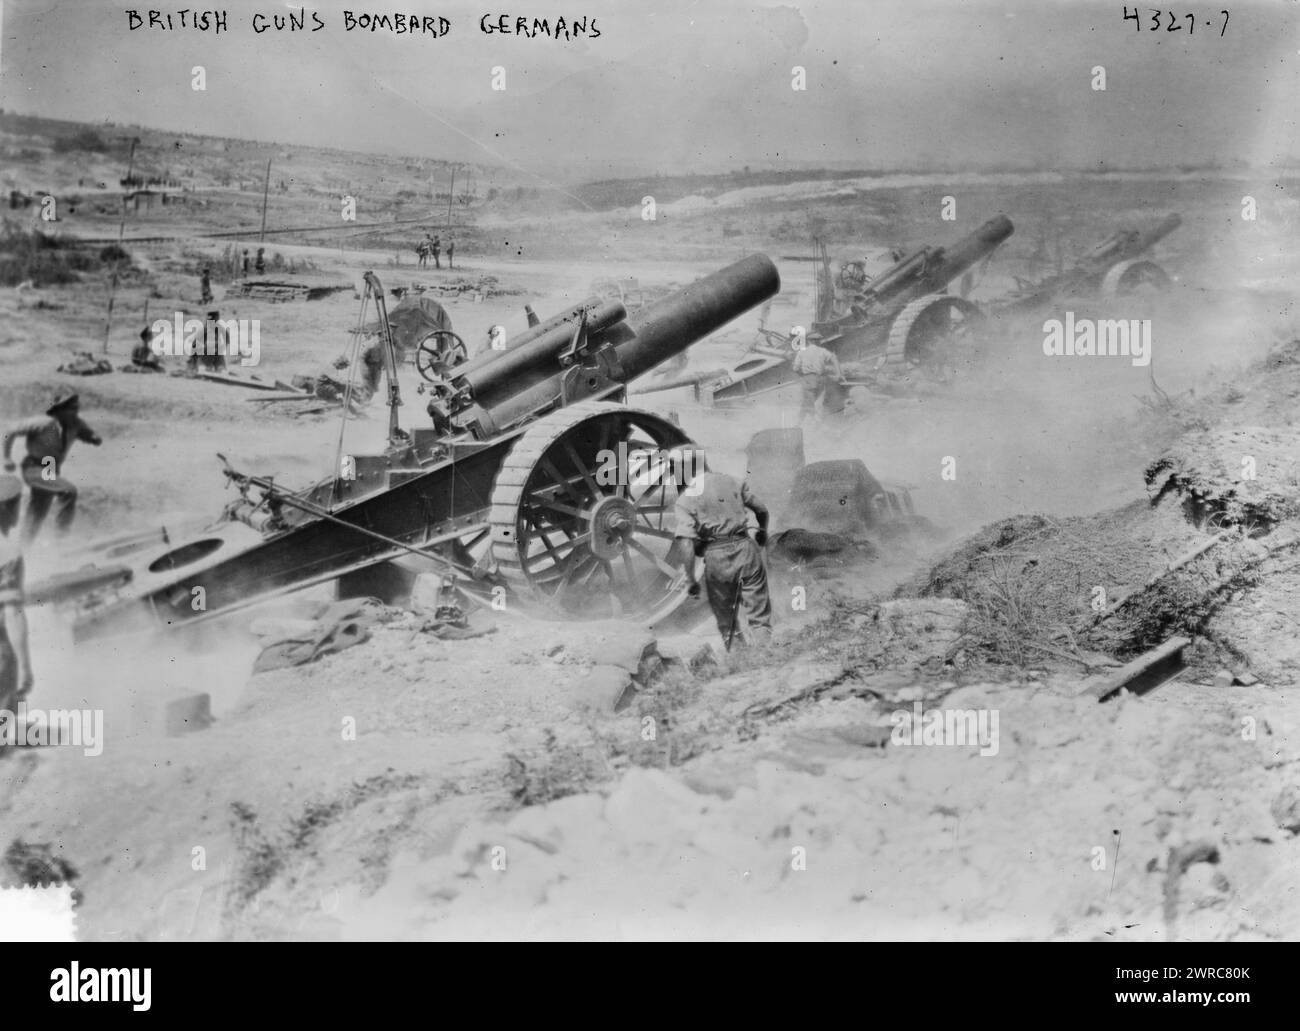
(533, 483)
(903, 317)
(1118, 266)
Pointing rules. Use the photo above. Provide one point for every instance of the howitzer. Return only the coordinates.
(534, 483)
(902, 316)
(1114, 267)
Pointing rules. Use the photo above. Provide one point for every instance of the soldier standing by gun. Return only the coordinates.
(819, 377)
(713, 522)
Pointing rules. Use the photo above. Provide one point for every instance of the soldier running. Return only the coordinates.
(49, 439)
(713, 521)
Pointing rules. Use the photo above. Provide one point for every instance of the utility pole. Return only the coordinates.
(121, 233)
(451, 196)
(266, 188)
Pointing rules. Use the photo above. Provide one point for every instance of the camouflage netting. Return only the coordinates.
(1247, 477)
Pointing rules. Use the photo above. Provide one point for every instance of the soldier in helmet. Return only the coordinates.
(819, 376)
(712, 521)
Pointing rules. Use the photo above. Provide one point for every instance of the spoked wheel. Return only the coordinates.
(438, 353)
(1133, 277)
(937, 331)
(582, 513)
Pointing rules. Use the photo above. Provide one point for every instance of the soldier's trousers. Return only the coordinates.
(812, 387)
(735, 580)
(44, 494)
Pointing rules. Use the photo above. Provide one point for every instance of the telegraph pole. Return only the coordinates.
(121, 233)
(266, 189)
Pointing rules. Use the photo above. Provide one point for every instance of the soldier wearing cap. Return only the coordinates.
(712, 520)
(49, 438)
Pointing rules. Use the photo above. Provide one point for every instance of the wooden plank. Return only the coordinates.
(1177, 563)
(1145, 673)
(238, 381)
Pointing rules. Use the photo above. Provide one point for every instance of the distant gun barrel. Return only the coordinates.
(689, 380)
(1154, 236)
(1127, 244)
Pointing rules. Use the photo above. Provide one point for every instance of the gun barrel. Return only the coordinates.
(933, 268)
(671, 325)
(1167, 226)
(972, 248)
(504, 373)
(652, 336)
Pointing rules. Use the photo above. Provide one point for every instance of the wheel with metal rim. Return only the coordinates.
(438, 353)
(933, 331)
(582, 513)
(1132, 277)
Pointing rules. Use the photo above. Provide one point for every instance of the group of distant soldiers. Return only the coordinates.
(209, 353)
(205, 277)
(431, 247)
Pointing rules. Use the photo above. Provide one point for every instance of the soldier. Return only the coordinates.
(212, 351)
(143, 357)
(245, 261)
(819, 376)
(496, 341)
(49, 438)
(712, 522)
(259, 266)
(435, 249)
(205, 284)
(11, 499)
(15, 657)
(451, 253)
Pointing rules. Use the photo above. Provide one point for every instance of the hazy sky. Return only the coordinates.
(673, 85)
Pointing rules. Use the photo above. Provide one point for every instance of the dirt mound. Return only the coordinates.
(1038, 586)
(1246, 476)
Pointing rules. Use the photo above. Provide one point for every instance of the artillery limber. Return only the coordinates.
(533, 483)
